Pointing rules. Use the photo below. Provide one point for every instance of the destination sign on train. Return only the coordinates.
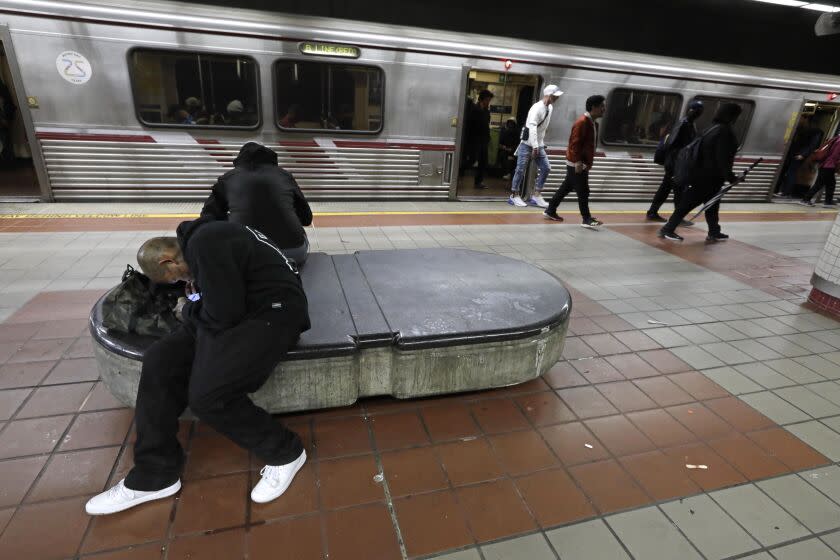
(330, 49)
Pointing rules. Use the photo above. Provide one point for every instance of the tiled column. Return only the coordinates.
(826, 278)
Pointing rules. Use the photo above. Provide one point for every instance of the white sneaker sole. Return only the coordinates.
(159, 495)
(280, 490)
(589, 226)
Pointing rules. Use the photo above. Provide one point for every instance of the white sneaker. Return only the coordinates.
(276, 479)
(517, 201)
(120, 498)
(538, 200)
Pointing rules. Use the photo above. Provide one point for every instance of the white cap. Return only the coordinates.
(235, 106)
(192, 102)
(552, 90)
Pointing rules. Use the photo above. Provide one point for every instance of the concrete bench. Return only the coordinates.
(407, 323)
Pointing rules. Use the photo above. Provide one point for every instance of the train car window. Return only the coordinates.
(710, 107)
(173, 88)
(314, 95)
(639, 118)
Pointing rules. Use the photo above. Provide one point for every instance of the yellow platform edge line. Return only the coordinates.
(381, 213)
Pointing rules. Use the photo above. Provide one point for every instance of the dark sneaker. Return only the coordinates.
(717, 237)
(481, 186)
(805, 202)
(591, 223)
(686, 223)
(670, 236)
(554, 217)
(655, 217)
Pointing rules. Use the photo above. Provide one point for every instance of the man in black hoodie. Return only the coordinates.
(717, 154)
(258, 193)
(246, 309)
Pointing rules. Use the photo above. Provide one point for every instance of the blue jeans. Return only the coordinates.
(523, 156)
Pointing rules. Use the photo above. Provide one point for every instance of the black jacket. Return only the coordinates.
(239, 273)
(677, 140)
(717, 154)
(806, 141)
(260, 194)
(478, 126)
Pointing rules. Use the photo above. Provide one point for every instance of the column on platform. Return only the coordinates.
(826, 279)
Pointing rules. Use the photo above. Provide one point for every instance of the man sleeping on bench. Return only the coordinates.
(250, 310)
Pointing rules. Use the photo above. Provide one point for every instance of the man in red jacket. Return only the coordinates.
(580, 156)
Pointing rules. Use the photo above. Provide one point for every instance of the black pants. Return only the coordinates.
(476, 153)
(662, 193)
(826, 180)
(578, 182)
(789, 179)
(691, 199)
(212, 373)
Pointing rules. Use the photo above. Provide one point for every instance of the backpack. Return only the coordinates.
(138, 306)
(688, 161)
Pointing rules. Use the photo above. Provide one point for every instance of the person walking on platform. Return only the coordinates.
(532, 146)
(827, 157)
(713, 167)
(580, 156)
(258, 193)
(806, 139)
(478, 137)
(685, 132)
(249, 312)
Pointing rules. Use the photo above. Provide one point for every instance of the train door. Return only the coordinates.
(819, 119)
(513, 95)
(19, 180)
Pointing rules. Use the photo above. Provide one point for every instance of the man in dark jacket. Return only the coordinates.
(258, 193)
(806, 139)
(250, 310)
(477, 137)
(717, 154)
(686, 132)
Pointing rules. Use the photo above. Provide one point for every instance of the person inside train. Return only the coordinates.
(714, 167)
(532, 146)
(580, 156)
(806, 139)
(179, 115)
(292, 116)
(260, 194)
(250, 310)
(508, 141)
(196, 110)
(477, 137)
(236, 114)
(680, 137)
(827, 157)
(8, 111)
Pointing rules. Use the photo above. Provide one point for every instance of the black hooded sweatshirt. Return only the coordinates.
(718, 149)
(240, 275)
(258, 193)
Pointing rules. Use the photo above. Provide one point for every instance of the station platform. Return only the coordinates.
(695, 412)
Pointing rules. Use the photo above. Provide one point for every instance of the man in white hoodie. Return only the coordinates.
(532, 146)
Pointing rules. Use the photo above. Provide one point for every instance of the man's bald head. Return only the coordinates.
(160, 259)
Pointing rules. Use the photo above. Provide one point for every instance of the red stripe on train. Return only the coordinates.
(98, 137)
(394, 145)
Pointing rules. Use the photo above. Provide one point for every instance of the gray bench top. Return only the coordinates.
(410, 299)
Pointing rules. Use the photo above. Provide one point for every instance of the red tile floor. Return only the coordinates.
(593, 436)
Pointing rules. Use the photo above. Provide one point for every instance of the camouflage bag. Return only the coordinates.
(138, 306)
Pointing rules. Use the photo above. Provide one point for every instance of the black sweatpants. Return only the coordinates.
(662, 193)
(825, 180)
(212, 373)
(578, 182)
(476, 153)
(692, 198)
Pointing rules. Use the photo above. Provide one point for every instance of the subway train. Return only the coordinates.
(152, 100)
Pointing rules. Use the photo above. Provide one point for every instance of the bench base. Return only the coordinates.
(298, 385)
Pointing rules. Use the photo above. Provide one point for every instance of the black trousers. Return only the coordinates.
(789, 179)
(212, 373)
(578, 182)
(692, 198)
(825, 180)
(662, 193)
(476, 153)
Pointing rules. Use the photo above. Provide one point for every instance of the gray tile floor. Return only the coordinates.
(774, 355)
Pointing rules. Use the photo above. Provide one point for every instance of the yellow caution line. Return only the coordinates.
(381, 213)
